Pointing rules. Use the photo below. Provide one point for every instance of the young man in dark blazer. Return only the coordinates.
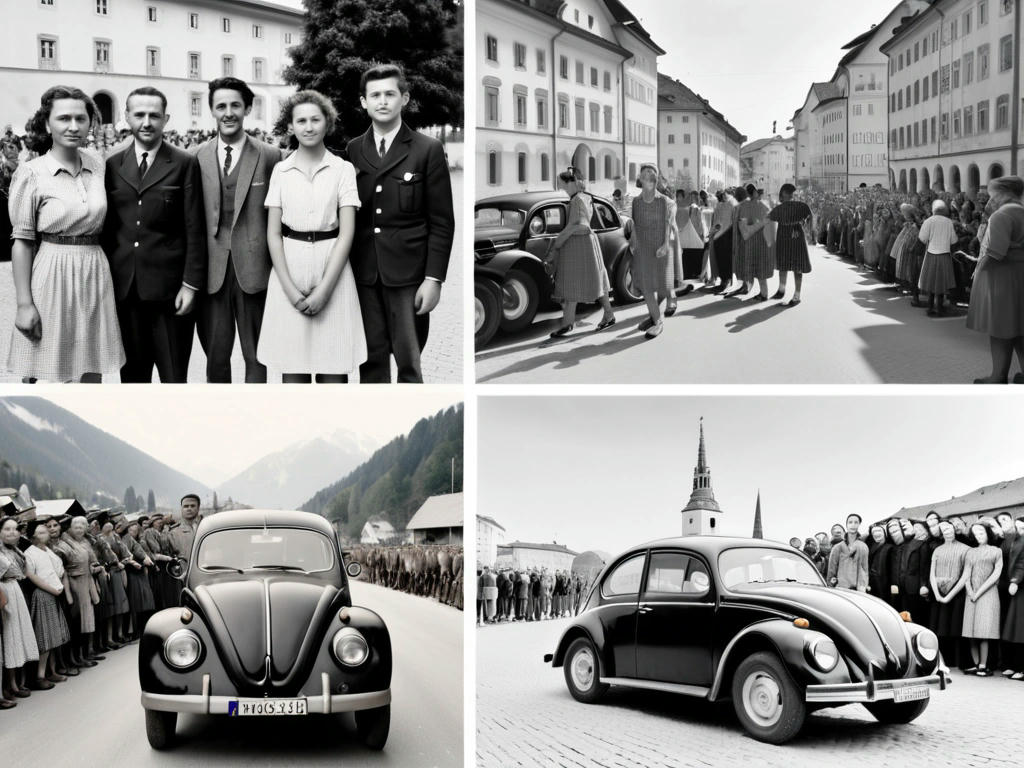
(235, 171)
(154, 239)
(404, 229)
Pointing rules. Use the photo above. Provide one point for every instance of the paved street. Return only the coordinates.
(95, 719)
(526, 717)
(848, 330)
(442, 358)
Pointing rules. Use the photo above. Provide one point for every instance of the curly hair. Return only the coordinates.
(305, 97)
(37, 139)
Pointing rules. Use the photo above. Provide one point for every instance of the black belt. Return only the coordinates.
(46, 237)
(308, 237)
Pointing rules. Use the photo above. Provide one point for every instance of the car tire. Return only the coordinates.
(373, 725)
(160, 728)
(769, 705)
(891, 713)
(520, 298)
(624, 287)
(582, 672)
(488, 310)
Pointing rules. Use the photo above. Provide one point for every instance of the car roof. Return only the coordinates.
(524, 200)
(244, 518)
(709, 545)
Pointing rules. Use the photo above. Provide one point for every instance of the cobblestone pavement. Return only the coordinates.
(442, 358)
(526, 717)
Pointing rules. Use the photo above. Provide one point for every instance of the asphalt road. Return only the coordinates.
(848, 329)
(526, 717)
(96, 719)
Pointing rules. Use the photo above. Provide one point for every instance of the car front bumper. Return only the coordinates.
(206, 704)
(873, 690)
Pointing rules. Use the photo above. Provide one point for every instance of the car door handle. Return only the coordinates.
(645, 609)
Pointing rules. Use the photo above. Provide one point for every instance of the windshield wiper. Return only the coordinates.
(222, 568)
(281, 568)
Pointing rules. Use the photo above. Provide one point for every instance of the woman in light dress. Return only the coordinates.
(312, 324)
(982, 566)
(19, 639)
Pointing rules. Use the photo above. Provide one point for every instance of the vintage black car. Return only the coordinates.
(267, 627)
(511, 235)
(753, 621)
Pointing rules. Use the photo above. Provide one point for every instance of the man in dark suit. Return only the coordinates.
(154, 240)
(235, 171)
(404, 229)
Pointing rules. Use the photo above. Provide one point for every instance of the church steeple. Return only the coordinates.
(701, 511)
(758, 532)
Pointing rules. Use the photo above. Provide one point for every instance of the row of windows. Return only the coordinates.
(196, 101)
(494, 170)
(959, 72)
(49, 59)
(672, 138)
(832, 116)
(957, 28)
(682, 119)
(839, 160)
(638, 133)
(520, 109)
(519, 56)
(963, 121)
(858, 109)
(639, 91)
(835, 138)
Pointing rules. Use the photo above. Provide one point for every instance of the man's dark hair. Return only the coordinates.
(147, 90)
(383, 72)
(191, 496)
(231, 84)
(787, 189)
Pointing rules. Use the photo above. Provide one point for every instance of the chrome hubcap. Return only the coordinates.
(582, 669)
(762, 699)
(479, 314)
(515, 298)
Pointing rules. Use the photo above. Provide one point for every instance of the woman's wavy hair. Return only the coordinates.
(316, 98)
(36, 138)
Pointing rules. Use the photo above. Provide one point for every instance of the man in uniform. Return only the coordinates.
(183, 534)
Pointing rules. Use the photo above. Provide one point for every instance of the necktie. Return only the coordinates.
(144, 165)
(227, 160)
(383, 150)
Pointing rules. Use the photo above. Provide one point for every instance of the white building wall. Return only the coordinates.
(640, 97)
(700, 522)
(539, 559)
(488, 538)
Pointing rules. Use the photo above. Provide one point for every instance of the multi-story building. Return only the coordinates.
(831, 115)
(768, 163)
(697, 147)
(110, 47)
(561, 84)
(490, 534)
(954, 96)
(527, 556)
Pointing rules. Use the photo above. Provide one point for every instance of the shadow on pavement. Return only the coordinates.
(755, 316)
(564, 355)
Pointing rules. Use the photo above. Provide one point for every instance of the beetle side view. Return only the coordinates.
(749, 620)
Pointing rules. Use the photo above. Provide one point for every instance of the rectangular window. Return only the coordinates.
(193, 21)
(917, 136)
(521, 167)
(917, 51)
(579, 71)
(967, 23)
(493, 168)
(581, 118)
(227, 66)
(944, 82)
(542, 63)
(899, 99)
(686, 138)
(542, 112)
(520, 97)
(151, 13)
(593, 77)
(982, 116)
(47, 52)
(225, 24)
(933, 128)
(258, 70)
(917, 91)
(900, 63)
(924, 131)
(901, 137)
(492, 113)
(983, 13)
(491, 48)
(607, 80)
(1005, 7)
(101, 7)
(924, 88)
(545, 169)
(563, 115)
(983, 56)
(871, 109)
(892, 103)
(1005, 53)
(595, 118)
(956, 73)
(608, 120)
(153, 62)
(924, 46)
(563, 67)
(956, 124)
(1002, 112)
(195, 104)
(968, 121)
(671, 138)
(944, 125)
(257, 107)
(193, 66)
(954, 29)
(48, 3)
(519, 55)
(968, 68)
(101, 57)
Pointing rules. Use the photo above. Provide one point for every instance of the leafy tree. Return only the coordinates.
(131, 504)
(343, 38)
(151, 502)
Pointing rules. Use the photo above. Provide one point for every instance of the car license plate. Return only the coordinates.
(262, 707)
(910, 693)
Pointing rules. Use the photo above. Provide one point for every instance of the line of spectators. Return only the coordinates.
(527, 595)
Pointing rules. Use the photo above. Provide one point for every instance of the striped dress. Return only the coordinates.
(579, 272)
(948, 563)
(790, 243)
(981, 617)
(47, 617)
(907, 253)
(758, 258)
(19, 641)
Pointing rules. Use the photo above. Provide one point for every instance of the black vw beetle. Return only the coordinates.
(718, 617)
(267, 627)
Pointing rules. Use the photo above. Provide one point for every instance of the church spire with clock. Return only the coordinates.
(701, 513)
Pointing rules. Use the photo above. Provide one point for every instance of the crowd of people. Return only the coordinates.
(125, 245)
(508, 595)
(962, 581)
(73, 588)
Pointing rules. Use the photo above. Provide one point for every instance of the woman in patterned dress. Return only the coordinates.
(80, 592)
(790, 243)
(947, 579)
(870, 243)
(740, 195)
(19, 640)
(758, 244)
(312, 323)
(653, 215)
(982, 566)
(580, 275)
(45, 570)
(908, 252)
(66, 325)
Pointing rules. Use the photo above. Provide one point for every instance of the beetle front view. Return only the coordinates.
(749, 620)
(267, 627)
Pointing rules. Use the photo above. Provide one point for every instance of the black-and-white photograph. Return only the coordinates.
(231, 190)
(807, 191)
(775, 581)
(190, 578)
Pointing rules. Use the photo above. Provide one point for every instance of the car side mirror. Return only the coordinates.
(353, 569)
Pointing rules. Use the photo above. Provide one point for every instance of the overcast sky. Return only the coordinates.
(212, 433)
(755, 60)
(607, 473)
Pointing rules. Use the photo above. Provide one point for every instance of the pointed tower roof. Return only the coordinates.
(703, 496)
(758, 532)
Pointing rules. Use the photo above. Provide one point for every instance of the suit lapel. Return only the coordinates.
(210, 174)
(161, 166)
(399, 149)
(246, 170)
(128, 168)
(369, 150)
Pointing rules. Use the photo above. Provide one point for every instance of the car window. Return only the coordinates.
(499, 217)
(603, 218)
(754, 565)
(676, 573)
(625, 578)
(284, 548)
(547, 221)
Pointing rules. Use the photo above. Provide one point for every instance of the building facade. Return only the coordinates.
(561, 84)
(768, 163)
(525, 556)
(697, 147)
(954, 96)
(490, 535)
(110, 47)
(438, 520)
(701, 513)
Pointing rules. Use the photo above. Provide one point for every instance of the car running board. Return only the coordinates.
(653, 685)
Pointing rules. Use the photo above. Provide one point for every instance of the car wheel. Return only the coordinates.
(488, 310)
(768, 703)
(520, 298)
(160, 728)
(626, 290)
(582, 672)
(890, 712)
(373, 725)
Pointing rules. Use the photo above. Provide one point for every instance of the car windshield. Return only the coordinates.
(500, 217)
(758, 565)
(281, 549)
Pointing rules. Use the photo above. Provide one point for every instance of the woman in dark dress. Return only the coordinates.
(140, 596)
(790, 244)
(879, 549)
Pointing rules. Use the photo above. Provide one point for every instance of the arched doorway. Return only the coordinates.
(105, 105)
(903, 181)
(913, 180)
(925, 182)
(940, 179)
(973, 181)
(954, 179)
(995, 171)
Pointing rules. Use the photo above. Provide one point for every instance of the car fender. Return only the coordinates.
(497, 266)
(585, 626)
(787, 641)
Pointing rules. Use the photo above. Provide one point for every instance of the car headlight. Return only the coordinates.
(926, 644)
(182, 648)
(823, 653)
(350, 647)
